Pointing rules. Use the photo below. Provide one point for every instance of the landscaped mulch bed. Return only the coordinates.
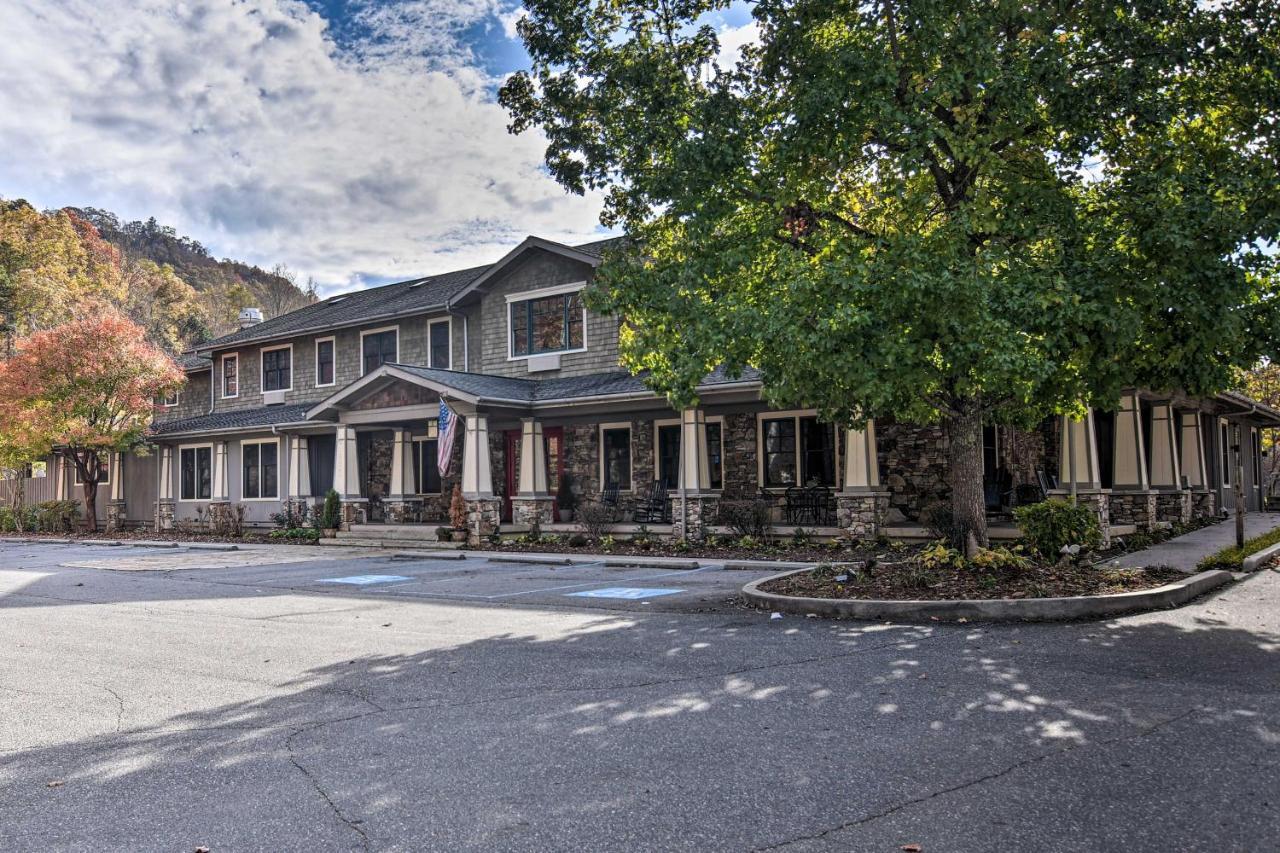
(902, 582)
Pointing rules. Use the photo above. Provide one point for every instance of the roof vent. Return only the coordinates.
(250, 317)
(336, 299)
(419, 283)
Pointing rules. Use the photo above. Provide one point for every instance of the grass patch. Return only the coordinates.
(1232, 559)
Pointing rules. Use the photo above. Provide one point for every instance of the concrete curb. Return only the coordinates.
(1260, 558)
(992, 609)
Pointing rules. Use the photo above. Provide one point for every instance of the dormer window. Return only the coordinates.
(547, 321)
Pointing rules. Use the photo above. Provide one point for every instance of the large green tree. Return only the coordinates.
(957, 210)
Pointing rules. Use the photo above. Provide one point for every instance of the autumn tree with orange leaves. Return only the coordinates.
(83, 390)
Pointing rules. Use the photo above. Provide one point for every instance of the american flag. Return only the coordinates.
(447, 430)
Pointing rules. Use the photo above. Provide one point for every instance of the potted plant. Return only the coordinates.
(458, 515)
(566, 500)
(330, 515)
(444, 534)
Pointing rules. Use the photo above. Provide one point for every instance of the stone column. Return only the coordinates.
(861, 504)
(1166, 475)
(164, 493)
(219, 493)
(117, 510)
(483, 512)
(1132, 501)
(532, 505)
(401, 500)
(346, 476)
(693, 505)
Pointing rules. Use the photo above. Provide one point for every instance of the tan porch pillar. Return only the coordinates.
(1078, 456)
(861, 468)
(299, 469)
(533, 460)
(1165, 474)
(401, 466)
(477, 479)
(164, 489)
(862, 505)
(695, 469)
(218, 492)
(1192, 462)
(346, 464)
(1130, 468)
(59, 479)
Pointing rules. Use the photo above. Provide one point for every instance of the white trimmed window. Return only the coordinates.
(615, 457)
(666, 457)
(377, 347)
(796, 449)
(195, 472)
(426, 464)
(260, 470)
(546, 321)
(326, 355)
(231, 376)
(277, 368)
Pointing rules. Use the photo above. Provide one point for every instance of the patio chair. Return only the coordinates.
(796, 507)
(654, 507)
(609, 498)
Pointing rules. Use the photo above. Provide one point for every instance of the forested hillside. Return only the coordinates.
(62, 263)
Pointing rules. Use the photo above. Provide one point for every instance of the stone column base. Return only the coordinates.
(164, 514)
(402, 511)
(116, 516)
(484, 515)
(1100, 501)
(1133, 507)
(1204, 504)
(862, 514)
(699, 515)
(353, 512)
(1174, 507)
(532, 512)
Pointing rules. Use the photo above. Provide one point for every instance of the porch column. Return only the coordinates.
(116, 507)
(299, 469)
(1172, 504)
(861, 505)
(59, 479)
(1194, 464)
(1132, 501)
(164, 490)
(218, 492)
(477, 480)
(346, 475)
(533, 503)
(694, 506)
(401, 499)
(1078, 470)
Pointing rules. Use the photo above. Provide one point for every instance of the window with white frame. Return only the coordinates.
(325, 352)
(426, 463)
(615, 457)
(195, 473)
(260, 469)
(796, 450)
(439, 355)
(377, 347)
(167, 401)
(667, 455)
(546, 321)
(231, 375)
(277, 368)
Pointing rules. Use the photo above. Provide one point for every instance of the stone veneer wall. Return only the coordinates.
(913, 467)
(741, 462)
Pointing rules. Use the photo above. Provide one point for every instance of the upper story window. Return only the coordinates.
(324, 361)
(231, 376)
(168, 401)
(438, 333)
(277, 369)
(379, 347)
(547, 321)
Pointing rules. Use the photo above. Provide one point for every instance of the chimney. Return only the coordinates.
(250, 317)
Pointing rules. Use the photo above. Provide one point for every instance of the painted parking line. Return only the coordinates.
(365, 580)
(630, 593)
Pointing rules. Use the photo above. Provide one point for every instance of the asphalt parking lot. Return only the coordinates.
(291, 698)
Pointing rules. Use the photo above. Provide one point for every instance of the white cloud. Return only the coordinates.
(243, 125)
(733, 40)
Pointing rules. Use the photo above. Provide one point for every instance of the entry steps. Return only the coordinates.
(418, 536)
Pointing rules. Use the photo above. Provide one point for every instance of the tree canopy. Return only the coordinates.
(944, 209)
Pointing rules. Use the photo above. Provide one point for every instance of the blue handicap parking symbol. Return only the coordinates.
(632, 593)
(365, 580)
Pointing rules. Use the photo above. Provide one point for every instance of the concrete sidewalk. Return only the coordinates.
(1185, 552)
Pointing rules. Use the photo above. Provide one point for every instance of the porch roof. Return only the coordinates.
(234, 420)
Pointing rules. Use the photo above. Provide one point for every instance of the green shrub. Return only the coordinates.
(20, 520)
(57, 516)
(577, 540)
(1000, 559)
(1051, 525)
(1232, 559)
(939, 555)
(331, 514)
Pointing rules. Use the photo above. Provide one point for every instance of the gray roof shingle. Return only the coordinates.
(396, 299)
(567, 388)
(192, 363)
(240, 418)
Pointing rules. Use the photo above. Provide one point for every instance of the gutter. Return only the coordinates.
(306, 330)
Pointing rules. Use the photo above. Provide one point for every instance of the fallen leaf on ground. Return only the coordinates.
(911, 848)
(56, 783)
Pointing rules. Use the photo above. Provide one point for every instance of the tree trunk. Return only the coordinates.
(91, 506)
(964, 458)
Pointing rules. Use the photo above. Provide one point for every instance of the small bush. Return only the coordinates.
(18, 520)
(293, 516)
(1000, 559)
(801, 538)
(495, 538)
(57, 516)
(746, 518)
(577, 540)
(596, 519)
(939, 555)
(296, 534)
(607, 543)
(1051, 525)
(748, 543)
(444, 534)
(331, 515)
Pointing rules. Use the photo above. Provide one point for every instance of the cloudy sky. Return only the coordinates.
(357, 142)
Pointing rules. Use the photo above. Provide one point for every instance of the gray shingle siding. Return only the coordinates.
(193, 400)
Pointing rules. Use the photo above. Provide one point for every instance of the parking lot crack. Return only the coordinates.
(351, 823)
(119, 706)
(972, 783)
